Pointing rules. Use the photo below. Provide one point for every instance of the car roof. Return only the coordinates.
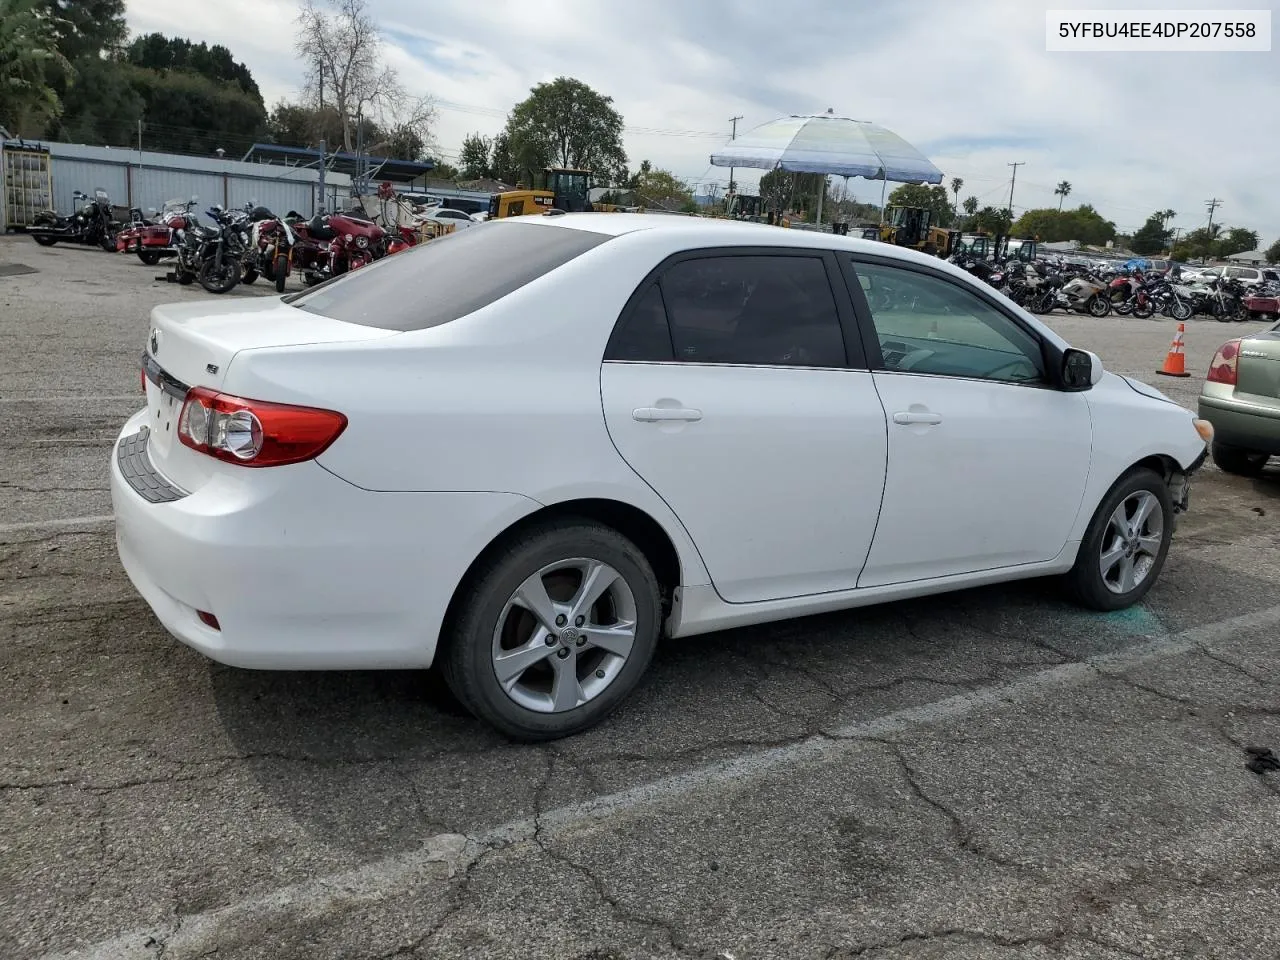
(694, 232)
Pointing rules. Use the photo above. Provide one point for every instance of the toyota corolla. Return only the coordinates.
(524, 451)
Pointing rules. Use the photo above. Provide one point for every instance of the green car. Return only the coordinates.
(1241, 398)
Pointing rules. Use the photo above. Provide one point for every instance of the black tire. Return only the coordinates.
(250, 275)
(219, 283)
(1085, 582)
(1143, 311)
(280, 271)
(44, 241)
(149, 257)
(1237, 460)
(185, 277)
(1098, 306)
(466, 653)
(108, 244)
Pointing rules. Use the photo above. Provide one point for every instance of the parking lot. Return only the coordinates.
(992, 773)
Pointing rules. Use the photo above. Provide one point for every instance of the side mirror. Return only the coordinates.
(1080, 369)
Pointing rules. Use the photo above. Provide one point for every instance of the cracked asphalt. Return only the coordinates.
(987, 774)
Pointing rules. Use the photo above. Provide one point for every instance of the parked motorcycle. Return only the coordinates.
(349, 241)
(271, 244)
(164, 235)
(91, 225)
(225, 255)
(1086, 293)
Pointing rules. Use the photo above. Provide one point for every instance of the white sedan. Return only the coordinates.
(459, 218)
(563, 435)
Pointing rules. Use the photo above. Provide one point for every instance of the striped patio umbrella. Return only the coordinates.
(827, 144)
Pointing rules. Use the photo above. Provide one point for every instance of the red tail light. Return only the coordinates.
(1222, 369)
(255, 433)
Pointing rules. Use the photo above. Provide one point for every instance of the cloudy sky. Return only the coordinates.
(969, 83)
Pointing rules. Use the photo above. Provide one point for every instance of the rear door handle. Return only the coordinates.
(657, 414)
(904, 417)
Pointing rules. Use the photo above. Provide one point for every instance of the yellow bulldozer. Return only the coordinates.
(566, 189)
(912, 227)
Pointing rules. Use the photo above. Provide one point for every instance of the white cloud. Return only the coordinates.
(970, 83)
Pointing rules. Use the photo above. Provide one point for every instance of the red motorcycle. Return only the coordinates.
(348, 241)
(154, 239)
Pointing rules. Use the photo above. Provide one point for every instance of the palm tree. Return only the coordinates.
(1061, 191)
(28, 46)
(956, 184)
(971, 205)
(1166, 215)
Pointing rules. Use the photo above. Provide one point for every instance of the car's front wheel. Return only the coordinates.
(555, 630)
(1125, 545)
(1247, 463)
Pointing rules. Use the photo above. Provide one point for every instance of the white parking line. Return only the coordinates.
(74, 522)
(442, 856)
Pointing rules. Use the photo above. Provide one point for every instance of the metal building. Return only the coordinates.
(134, 178)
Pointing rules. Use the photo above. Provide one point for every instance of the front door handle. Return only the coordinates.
(658, 414)
(905, 417)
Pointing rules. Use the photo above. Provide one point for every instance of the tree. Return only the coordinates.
(566, 123)
(29, 57)
(993, 219)
(88, 28)
(1152, 236)
(1061, 190)
(660, 188)
(956, 184)
(474, 156)
(343, 57)
(1084, 224)
(934, 199)
(971, 205)
(157, 52)
(1236, 240)
(1273, 253)
(782, 191)
(297, 125)
(1197, 244)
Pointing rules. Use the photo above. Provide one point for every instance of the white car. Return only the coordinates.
(459, 218)
(523, 451)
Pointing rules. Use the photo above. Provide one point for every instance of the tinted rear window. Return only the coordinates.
(447, 278)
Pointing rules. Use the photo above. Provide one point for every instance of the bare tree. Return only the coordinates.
(343, 55)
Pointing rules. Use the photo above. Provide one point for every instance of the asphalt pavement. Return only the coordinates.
(990, 773)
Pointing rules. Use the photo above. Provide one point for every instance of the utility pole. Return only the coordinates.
(733, 187)
(323, 161)
(1020, 163)
(1213, 204)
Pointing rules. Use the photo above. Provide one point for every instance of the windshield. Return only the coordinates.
(447, 278)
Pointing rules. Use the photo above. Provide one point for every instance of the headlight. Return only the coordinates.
(362, 242)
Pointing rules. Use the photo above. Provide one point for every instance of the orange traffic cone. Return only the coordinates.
(1175, 361)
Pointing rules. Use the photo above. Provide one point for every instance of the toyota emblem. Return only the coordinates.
(155, 342)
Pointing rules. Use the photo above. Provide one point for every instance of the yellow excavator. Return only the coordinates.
(912, 227)
(566, 189)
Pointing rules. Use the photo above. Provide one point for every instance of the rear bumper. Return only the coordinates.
(1243, 425)
(302, 570)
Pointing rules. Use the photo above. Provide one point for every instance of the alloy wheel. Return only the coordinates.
(1132, 542)
(564, 635)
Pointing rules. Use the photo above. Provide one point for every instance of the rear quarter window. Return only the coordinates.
(447, 278)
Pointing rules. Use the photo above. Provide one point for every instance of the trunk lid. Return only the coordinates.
(193, 344)
(1258, 369)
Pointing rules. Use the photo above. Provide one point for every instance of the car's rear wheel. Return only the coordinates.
(1247, 463)
(555, 630)
(1126, 543)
